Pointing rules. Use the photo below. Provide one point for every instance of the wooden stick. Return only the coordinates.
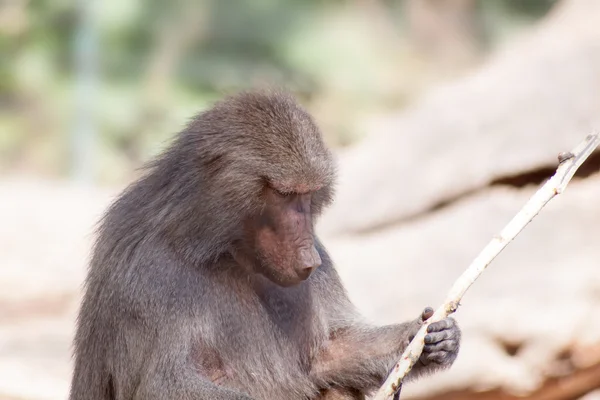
(568, 164)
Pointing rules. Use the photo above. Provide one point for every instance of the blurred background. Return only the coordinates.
(445, 115)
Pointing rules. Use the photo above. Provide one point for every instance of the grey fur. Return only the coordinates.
(168, 314)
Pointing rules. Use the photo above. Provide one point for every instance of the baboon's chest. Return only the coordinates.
(289, 311)
(260, 336)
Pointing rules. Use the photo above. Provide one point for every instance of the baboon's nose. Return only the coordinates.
(309, 261)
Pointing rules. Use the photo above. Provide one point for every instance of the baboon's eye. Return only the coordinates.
(280, 193)
(284, 194)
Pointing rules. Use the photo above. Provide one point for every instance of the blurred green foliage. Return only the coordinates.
(160, 62)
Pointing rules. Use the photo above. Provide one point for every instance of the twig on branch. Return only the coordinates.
(568, 164)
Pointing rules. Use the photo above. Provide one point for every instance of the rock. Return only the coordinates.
(529, 102)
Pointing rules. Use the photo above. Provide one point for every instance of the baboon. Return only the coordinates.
(207, 280)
